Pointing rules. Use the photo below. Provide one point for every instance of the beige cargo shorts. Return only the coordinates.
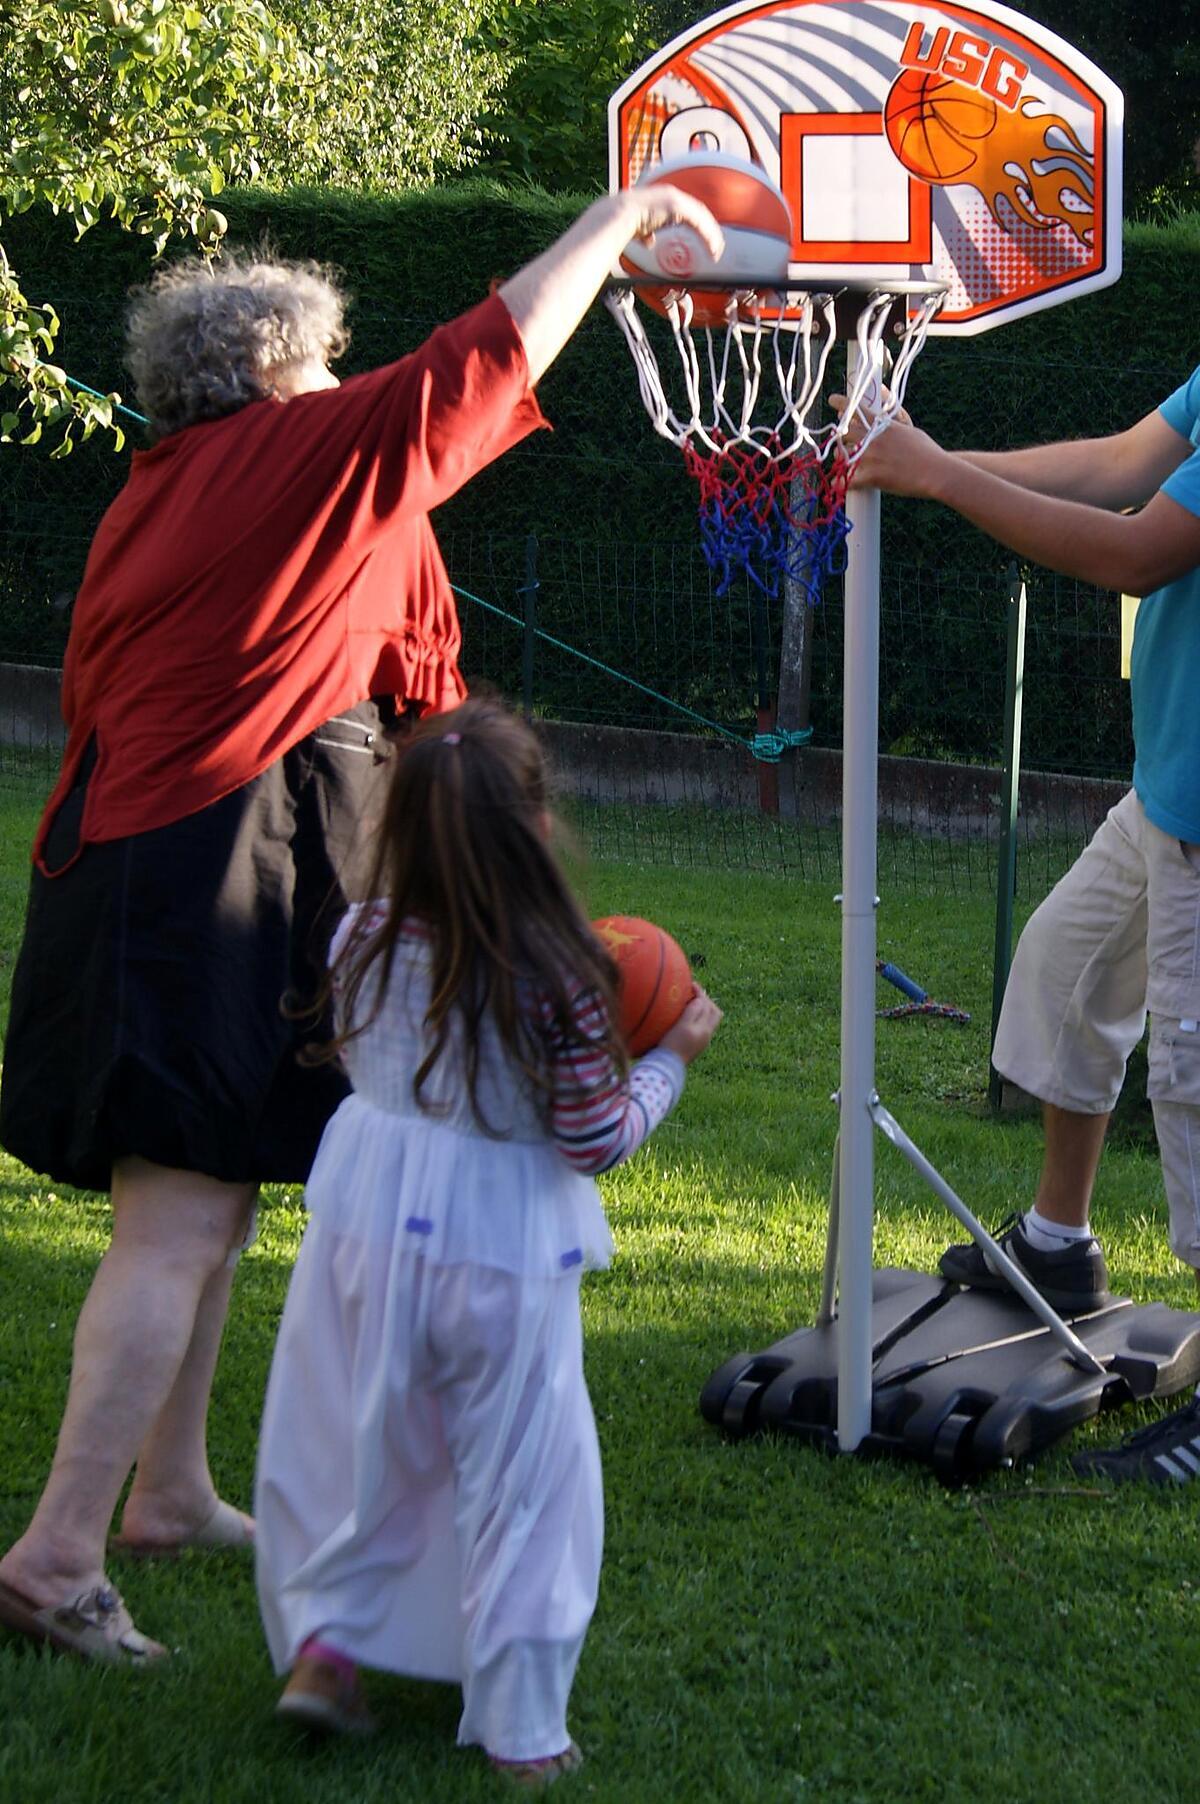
(1118, 937)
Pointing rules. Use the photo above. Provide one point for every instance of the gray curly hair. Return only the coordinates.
(204, 339)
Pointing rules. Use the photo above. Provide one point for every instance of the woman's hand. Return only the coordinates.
(694, 1028)
(549, 297)
(658, 204)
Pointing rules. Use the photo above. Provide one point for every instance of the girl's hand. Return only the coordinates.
(694, 1028)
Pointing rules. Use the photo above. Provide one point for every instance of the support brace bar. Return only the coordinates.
(1076, 1352)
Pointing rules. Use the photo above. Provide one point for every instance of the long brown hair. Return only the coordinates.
(465, 848)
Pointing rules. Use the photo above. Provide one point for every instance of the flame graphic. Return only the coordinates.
(613, 938)
(1012, 154)
(951, 135)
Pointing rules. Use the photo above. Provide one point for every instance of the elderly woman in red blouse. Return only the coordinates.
(261, 602)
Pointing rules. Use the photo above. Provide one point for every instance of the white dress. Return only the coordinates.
(429, 1496)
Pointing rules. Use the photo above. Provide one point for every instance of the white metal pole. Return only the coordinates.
(860, 749)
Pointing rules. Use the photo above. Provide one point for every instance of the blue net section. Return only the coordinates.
(771, 518)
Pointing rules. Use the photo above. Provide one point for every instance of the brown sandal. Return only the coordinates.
(326, 1697)
(536, 1775)
(96, 1626)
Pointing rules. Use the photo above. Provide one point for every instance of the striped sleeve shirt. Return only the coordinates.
(598, 1118)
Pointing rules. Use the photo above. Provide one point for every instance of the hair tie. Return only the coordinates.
(451, 738)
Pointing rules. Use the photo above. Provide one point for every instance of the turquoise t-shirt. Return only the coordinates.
(1165, 666)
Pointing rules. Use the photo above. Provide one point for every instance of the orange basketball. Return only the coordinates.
(934, 125)
(752, 213)
(655, 979)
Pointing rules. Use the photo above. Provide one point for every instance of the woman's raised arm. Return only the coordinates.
(550, 296)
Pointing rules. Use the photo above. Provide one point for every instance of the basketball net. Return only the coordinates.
(742, 406)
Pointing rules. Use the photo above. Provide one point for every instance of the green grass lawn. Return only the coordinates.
(773, 1624)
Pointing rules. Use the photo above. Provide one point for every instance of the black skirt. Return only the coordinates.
(154, 998)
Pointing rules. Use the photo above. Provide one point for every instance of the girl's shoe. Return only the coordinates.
(323, 1693)
(535, 1775)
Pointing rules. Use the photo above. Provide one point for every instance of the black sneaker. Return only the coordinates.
(1165, 1453)
(1073, 1280)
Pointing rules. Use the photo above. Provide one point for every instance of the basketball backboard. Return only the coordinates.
(913, 139)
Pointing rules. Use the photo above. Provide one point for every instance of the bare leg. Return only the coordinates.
(1072, 1157)
(173, 1492)
(172, 1232)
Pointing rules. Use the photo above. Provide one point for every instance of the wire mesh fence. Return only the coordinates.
(651, 689)
(644, 641)
(641, 798)
(634, 635)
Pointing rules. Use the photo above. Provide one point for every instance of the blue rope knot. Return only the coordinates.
(768, 748)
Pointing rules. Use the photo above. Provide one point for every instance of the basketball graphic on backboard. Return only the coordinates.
(1030, 159)
(934, 125)
(912, 139)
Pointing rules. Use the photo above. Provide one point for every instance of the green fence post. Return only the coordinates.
(529, 590)
(1006, 878)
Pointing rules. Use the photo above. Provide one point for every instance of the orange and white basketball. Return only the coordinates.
(752, 213)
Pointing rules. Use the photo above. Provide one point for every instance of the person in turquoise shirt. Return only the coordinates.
(1119, 937)
(1166, 657)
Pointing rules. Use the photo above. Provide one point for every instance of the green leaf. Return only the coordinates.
(146, 109)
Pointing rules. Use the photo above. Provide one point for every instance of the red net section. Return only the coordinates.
(771, 516)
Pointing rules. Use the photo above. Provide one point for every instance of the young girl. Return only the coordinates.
(429, 1496)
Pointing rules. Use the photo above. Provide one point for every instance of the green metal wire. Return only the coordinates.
(120, 406)
(714, 726)
(767, 747)
(770, 747)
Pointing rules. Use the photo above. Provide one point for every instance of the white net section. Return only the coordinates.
(756, 381)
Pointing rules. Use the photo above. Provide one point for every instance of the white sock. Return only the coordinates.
(1051, 1236)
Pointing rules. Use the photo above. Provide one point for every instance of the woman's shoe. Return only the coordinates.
(96, 1626)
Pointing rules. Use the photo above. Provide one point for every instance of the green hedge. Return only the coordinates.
(609, 501)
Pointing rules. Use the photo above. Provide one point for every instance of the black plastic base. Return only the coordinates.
(963, 1379)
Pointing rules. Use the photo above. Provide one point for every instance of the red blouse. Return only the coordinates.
(260, 573)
